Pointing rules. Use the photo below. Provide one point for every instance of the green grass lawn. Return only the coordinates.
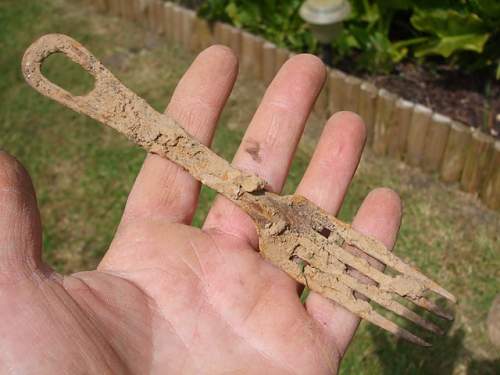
(83, 172)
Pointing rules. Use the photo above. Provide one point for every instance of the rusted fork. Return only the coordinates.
(310, 245)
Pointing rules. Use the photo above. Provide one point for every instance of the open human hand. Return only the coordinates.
(171, 298)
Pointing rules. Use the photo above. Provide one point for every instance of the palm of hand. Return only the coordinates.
(170, 298)
(189, 298)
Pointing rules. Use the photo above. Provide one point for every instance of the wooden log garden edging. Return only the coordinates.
(454, 154)
(435, 143)
(268, 62)
(417, 132)
(167, 20)
(351, 94)
(188, 22)
(400, 125)
(235, 40)
(282, 54)
(367, 108)
(491, 185)
(478, 156)
(383, 121)
(395, 127)
(203, 35)
(176, 24)
(336, 89)
(251, 54)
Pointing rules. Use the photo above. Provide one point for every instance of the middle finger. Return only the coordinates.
(271, 139)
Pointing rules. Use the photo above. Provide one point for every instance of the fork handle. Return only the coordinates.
(113, 104)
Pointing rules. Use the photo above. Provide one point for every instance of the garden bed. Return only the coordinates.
(458, 96)
(471, 98)
(440, 54)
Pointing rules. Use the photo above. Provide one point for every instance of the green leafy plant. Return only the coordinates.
(381, 33)
(367, 34)
(467, 36)
(276, 20)
(465, 33)
(450, 31)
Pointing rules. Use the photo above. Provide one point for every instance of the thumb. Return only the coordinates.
(20, 228)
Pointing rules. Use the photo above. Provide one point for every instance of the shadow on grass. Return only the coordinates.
(446, 353)
(484, 367)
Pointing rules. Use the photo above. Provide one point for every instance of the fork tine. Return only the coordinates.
(386, 300)
(378, 251)
(382, 322)
(386, 282)
(336, 271)
(344, 297)
(431, 306)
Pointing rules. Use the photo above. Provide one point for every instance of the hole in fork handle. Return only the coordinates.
(106, 102)
(48, 45)
(59, 69)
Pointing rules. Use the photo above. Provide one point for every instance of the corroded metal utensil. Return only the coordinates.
(310, 245)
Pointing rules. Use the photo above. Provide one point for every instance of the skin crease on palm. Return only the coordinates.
(171, 298)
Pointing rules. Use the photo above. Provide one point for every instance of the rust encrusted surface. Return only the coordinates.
(311, 246)
(115, 105)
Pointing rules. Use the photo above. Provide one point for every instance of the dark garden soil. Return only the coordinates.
(462, 97)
